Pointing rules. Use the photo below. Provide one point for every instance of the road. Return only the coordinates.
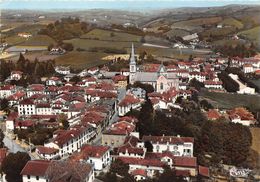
(120, 96)
(12, 145)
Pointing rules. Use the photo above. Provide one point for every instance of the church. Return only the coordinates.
(161, 80)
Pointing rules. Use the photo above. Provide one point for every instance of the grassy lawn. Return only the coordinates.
(81, 59)
(111, 36)
(227, 100)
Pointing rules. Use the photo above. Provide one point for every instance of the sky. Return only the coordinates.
(115, 4)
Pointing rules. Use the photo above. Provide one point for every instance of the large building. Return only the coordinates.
(161, 80)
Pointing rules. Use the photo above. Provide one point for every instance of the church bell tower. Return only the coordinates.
(132, 66)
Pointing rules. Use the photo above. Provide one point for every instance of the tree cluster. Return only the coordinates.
(66, 28)
(130, 29)
(228, 83)
(239, 50)
(107, 50)
(36, 135)
(196, 84)
(228, 142)
(242, 77)
(13, 164)
(32, 70)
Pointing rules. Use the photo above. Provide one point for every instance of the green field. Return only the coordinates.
(232, 22)
(227, 42)
(218, 32)
(177, 32)
(107, 35)
(228, 100)
(252, 34)
(81, 59)
(191, 24)
(15, 39)
(87, 43)
(38, 40)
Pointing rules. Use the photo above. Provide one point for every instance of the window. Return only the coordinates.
(37, 177)
(28, 176)
(161, 86)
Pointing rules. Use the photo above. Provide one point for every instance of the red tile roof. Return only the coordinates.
(129, 119)
(120, 128)
(140, 172)
(243, 113)
(18, 95)
(7, 87)
(204, 171)
(26, 102)
(180, 161)
(3, 154)
(87, 151)
(24, 123)
(129, 100)
(184, 173)
(12, 116)
(213, 114)
(63, 136)
(35, 168)
(131, 150)
(36, 87)
(118, 78)
(46, 150)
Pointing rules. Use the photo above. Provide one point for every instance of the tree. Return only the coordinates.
(148, 146)
(62, 119)
(190, 57)
(169, 175)
(1, 139)
(196, 84)
(13, 164)
(119, 167)
(110, 177)
(3, 104)
(75, 79)
(206, 105)
(228, 83)
(142, 40)
(112, 34)
(67, 46)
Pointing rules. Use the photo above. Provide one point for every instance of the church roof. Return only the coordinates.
(146, 76)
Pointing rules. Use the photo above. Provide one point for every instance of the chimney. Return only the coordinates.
(178, 136)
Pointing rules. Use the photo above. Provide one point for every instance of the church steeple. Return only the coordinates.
(132, 58)
(132, 66)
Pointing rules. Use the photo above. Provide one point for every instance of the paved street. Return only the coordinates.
(121, 95)
(17, 146)
(12, 145)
